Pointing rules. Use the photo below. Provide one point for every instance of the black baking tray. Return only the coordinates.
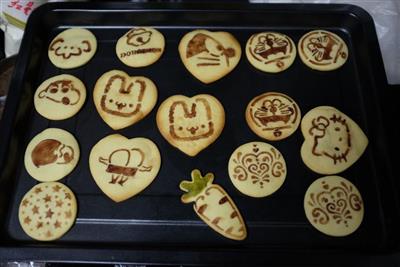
(154, 226)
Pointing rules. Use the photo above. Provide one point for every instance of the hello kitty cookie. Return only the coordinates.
(60, 97)
(72, 48)
(191, 123)
(140, 47)
(209, 56)
(332, 141)
(51, 155)
(47, 211)
(323, 50)
(122, 100)
(270, 51)
(273, 116)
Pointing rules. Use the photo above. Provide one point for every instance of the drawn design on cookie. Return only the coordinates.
(198, 120)
(41, 215)
(340, 146)
(260, 166)
(323, 50)
(51, 151)
(215, 51)
(336, 203)
(138, 37)
(272, 48)
(334, 206)
(65, 50)
(61, 91)
(126, 104)
(123, 164)
(273, 114)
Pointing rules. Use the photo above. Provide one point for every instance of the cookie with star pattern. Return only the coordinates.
(47, 211)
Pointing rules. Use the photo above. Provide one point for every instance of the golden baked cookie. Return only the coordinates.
(209, 56)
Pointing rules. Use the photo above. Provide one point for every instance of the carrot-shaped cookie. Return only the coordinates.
(213, 205)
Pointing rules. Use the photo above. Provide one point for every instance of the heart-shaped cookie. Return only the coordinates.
(123, 167)
(191, 124)
(209, 56)
(122, 100)
(333, 141)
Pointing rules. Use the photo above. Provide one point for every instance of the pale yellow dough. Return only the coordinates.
(122, 100)
(270, 51)
(72, 48)
(209, 56)
(47, 211)
(60, 97)
(332, 141)
(257, 169)
(51, 155)
(123, 167)
(191, 124)
(322, 50)
(334, 206)
(140, 47)
(273, 116)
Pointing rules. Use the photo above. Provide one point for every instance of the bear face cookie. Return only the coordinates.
(270, 51)
(51, 155)
(47, 211)
(140, 47)
(60, 97)
(191, 124)
(332, 140)
(334, 206)
(123, 167)
(209, 56)
(323, 50)
(122, 100)
(273, 116)
(72, 48)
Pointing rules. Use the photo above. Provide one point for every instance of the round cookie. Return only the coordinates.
(209, 56)
(270, 51)
(191, 123)
(47, 211)
(122, 100)
(51, 155)
(332, 140)
(273, 116)
(60, 97)
(72, 48)
(123, 167)
(140, 47)
(333, 205)
(322, 50)
(257, 169)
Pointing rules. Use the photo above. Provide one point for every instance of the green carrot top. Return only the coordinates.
(195, 186)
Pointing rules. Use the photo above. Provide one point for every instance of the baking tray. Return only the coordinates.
(155, 226)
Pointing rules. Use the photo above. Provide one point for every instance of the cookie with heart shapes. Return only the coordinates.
(123, 167)
(122, 100)
(209, 56)
(191, 124)
(332, 140)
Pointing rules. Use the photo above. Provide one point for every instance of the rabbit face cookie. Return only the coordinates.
(122, 100)
(191, 124)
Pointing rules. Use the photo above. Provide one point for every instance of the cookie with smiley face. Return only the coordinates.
(122, 100)
(191, 124)
(51, 155)
(72, 48)
(140, 47)
(209, 56)
(60, 97)
(332, 140)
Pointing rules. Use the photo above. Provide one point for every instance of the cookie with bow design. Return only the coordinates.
(209, 56)
(191, 124)
(122, 100)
